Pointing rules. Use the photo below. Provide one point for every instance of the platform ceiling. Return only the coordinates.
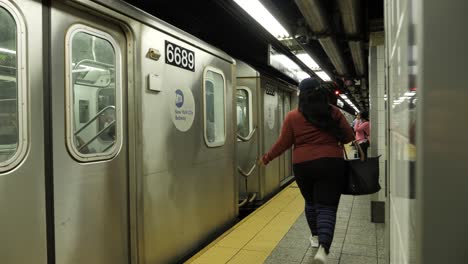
(225, 25)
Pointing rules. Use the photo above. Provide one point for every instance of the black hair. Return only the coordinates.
(365, 115)
(314, 105)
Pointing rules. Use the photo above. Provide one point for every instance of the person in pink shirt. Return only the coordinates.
(362, 129)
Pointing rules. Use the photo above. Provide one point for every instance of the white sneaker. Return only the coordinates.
(314, 241)
(320, 257)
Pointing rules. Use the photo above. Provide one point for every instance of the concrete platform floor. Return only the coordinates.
(356, 240)
(277, 232)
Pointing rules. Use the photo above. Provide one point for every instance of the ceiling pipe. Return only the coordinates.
(332, 50)
(314, 15)
(350, 16)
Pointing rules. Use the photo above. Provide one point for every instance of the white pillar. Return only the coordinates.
(377, 115)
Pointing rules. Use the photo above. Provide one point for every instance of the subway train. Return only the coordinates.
(124, 139)
(258, 129)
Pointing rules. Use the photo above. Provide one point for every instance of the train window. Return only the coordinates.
(13, 138)
(93, 93)
(214, 89)
(244, 114)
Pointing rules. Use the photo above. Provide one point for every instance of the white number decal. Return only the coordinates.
(177, 55)
(170, 53)
(190, 60)
(184, 58)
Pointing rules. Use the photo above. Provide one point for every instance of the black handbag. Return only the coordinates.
(362, 175)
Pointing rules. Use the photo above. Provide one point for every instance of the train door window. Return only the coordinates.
(214, 90)
(13, 137)
(94, 94)
(106, 97)
(244, 114)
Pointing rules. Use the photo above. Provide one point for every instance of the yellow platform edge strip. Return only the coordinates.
(250, 217)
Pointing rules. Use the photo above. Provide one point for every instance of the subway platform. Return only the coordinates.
(277, 232)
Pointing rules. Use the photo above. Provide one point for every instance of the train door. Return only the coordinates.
(288, 153)
(271, 121)
(22, 177)
(90, 156)
(280, 126)
(247, 143)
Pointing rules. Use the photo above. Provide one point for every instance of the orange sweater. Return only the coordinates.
(309, 142)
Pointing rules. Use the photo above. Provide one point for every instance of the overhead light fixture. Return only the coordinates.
(323, 75)
(7, 51)
(284, 64)
(339, 103)
(256, 10)
(286, 61)
(346, 99)
(307, 60)
(301, 75)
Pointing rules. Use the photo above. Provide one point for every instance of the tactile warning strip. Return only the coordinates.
(253, 239)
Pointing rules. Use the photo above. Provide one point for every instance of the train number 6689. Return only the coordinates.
(180, 57)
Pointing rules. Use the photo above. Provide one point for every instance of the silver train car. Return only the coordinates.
(118, 135)
(262, 104)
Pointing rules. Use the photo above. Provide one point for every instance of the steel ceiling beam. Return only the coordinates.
(350, 15)
(315, 17)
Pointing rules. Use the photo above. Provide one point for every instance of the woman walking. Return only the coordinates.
(317, 131)
(362, 129)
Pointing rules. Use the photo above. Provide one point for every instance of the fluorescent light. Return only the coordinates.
(323, 75)
(339, 103)
(289, 67)
(7, 51)
(346, 99)
(256, 10)
(307, 60)
(286, 61)
(301, 75)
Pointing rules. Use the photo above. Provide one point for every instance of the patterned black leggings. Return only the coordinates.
(321, 182)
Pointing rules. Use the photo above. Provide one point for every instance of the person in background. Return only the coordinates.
(354, 121)
(362, 129)
(317, 130)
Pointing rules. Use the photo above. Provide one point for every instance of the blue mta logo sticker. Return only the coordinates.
(179, 101)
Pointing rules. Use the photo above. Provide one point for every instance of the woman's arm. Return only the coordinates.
(284, 142)
(361, 126)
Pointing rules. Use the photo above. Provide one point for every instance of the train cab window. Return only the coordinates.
(244, 114)
(214, 89)
(13, 130)
(93, 92)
